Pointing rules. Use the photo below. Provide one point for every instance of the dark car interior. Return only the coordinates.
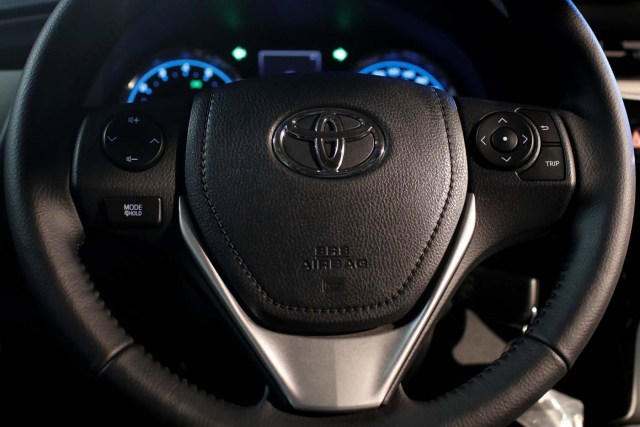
(361, 212)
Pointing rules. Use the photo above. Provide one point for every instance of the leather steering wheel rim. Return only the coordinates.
(48, 232)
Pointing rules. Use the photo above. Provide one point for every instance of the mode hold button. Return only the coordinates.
(548, 167)
(133, 211)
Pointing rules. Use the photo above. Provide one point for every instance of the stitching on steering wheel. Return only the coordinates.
(373, 306)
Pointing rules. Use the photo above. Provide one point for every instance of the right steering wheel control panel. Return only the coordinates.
(526, 141)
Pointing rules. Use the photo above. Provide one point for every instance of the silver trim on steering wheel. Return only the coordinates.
(339, 372)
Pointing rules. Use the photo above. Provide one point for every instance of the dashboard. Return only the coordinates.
(190, 52)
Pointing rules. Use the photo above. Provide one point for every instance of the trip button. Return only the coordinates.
(133, 141)
(545, 125)
(133, 211)
(549, 166)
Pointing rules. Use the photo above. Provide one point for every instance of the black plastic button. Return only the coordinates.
(133, 211)
(545, 125)
(497, 126)
(133, 141)
(504, 140)
(548, 167)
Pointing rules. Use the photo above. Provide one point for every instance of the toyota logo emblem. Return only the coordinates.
(329, 143)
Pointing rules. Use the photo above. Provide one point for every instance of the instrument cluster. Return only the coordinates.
(184, 73)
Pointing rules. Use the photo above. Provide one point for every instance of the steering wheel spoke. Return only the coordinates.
(124, 167)
(521, 171)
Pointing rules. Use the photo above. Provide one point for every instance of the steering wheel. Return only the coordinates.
(331, 217)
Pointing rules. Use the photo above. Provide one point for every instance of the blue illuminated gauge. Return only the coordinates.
(178, 78)
(403, 70)
(406, 66)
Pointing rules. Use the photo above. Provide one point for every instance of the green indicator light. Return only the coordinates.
(239, 53)
(340, 54)
(196, 84)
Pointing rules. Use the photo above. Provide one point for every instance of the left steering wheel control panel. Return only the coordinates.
(124, 176)
(133, 141)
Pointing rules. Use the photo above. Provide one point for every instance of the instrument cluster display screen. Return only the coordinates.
(274, 62)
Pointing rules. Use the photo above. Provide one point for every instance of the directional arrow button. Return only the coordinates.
(506, 160)
(502, 120)
(133, 142)
(482, 140)
(525, 139)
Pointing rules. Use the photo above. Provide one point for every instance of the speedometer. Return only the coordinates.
(179, 77)
(408, 66)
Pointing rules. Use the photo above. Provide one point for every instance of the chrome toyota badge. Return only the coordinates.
(329, 143)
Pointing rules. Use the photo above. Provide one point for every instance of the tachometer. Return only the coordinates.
(179, 77)
(408, 66)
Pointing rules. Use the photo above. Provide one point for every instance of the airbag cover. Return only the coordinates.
(326, 254)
